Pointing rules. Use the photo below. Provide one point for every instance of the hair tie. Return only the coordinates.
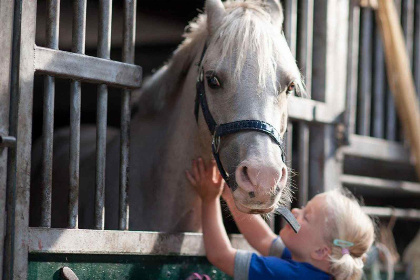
(344, 245)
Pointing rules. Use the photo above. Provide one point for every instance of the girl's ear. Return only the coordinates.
(321, 253)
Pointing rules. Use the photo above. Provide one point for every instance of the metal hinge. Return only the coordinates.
(7, 141)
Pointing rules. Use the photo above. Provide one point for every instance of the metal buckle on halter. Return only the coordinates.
(200, 75)
(216, 142)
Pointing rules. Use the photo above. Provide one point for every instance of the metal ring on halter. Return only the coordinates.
(216, 142)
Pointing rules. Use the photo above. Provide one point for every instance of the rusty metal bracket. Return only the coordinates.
(7, 141)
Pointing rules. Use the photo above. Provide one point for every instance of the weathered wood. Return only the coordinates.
(400, 76)
(86, 68)
(383, 212)
(80, 241)
(6, 33)
(16, 265)
(381, 185)
(374, 148)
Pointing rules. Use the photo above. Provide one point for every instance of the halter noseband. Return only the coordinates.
(219, 130)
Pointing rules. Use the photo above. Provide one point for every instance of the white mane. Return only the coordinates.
(245, 29)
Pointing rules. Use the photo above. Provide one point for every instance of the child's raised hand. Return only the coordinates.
(206, 180)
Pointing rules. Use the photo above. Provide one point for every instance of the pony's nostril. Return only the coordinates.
(245, 173)
(251, 194)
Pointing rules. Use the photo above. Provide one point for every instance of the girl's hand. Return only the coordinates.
(206, 180)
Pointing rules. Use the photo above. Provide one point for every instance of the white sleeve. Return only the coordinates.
(277, 247)
(242, 263)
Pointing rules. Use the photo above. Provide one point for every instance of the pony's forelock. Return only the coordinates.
(247, 29)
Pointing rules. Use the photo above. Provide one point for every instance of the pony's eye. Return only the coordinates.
(213, 82)
(291, 88)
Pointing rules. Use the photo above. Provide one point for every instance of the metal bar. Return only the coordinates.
(19, 160)
(86, 68)
(407, 19)
(304, 54)
(379, 149)
(383, 212)
(79, 42)
(123, 242)
(365, 82)
(353, 64)
(290, 24)
(7, 141)
(53, 21)
(128, 57)
(280, 223)
(378, 87)
(104, 50)
(303, 164)
(6, 33)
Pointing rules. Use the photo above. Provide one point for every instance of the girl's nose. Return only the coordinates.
(295, 212)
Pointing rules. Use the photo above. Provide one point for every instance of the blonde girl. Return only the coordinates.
(334, 237)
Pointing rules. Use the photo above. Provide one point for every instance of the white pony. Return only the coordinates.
(248, 72)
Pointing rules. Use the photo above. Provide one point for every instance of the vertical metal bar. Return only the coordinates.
(290, 24)
(79, 40)
(6, 33)
(365, 84)
(53, 19)
(416, 65)
(391, 117)
(378, 87)
(407, 19)
(104, 50)
(352, 66)
(303, 163)
(289, 156)
(306, 20)
(128, 57)
(19, 160)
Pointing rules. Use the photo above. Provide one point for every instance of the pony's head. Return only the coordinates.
(249, 72)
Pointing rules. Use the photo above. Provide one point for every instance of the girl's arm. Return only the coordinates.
(255, 230)
(209, 186)
(218, 248)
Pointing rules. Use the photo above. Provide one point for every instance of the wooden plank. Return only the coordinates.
(374, 148)
(87, 68)
(80, 241)
(381, 185)
(310, 111)
(384, 212)
(400, 75)
(6, 33)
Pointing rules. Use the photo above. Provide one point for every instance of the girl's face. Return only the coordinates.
(312, 219)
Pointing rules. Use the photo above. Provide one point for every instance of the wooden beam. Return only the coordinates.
(400, 75)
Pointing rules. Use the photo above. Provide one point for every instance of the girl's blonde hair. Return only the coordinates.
(347, 221)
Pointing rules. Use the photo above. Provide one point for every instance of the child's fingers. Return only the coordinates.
(196, 174)
(201, 167)
(190, 178)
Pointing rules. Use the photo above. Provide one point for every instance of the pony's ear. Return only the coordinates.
(276, 12)
(215, 13)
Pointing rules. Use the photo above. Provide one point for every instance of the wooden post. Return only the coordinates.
(399, 75)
